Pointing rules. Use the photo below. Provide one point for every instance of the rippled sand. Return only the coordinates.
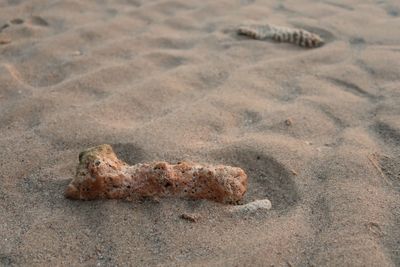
(317, 130)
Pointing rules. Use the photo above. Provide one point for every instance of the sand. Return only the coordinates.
(316, 130)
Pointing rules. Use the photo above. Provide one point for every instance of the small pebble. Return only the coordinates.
(192, 217)
(257, 205)
(5, 41)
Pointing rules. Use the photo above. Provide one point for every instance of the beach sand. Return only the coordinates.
(316, 130)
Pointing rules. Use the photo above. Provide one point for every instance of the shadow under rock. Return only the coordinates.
(268, 178)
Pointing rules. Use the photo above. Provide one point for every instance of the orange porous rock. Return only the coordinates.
(100, 174)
